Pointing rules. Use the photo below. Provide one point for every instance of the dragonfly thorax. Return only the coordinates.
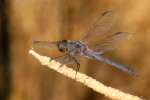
(71, 47)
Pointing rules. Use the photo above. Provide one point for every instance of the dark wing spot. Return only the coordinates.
(107, 12)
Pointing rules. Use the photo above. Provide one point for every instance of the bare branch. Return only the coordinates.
(97, 86)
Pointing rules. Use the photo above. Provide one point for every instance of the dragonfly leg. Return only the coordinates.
(55, 58)
(67, 59)
(78, 65)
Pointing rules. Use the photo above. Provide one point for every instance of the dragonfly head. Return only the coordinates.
(62, 46)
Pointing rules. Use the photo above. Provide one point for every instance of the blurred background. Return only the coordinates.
(23, 21)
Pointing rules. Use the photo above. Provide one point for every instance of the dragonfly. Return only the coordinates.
(95, 42)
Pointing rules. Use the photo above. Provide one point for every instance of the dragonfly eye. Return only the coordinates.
(64, 41)
(61, 50)
(78, 46)
(62, 46)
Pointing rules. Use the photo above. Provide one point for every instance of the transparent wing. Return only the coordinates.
(45, 44)
(65, 59)
(100, 29)
(110, 42)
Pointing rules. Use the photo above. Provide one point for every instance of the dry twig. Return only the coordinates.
(109, 92)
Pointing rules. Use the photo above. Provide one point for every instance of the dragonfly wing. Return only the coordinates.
(45, 44)
(110, 42)
(66, 59)
(100, 29)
